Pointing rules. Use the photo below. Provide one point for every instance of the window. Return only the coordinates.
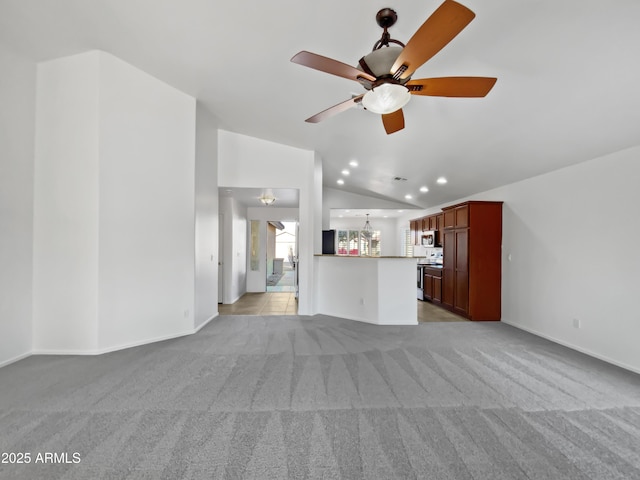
(408, 243)
(370, 246)
(355, 242)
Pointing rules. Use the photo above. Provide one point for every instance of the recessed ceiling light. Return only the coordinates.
(340, 181)
(408, 197)
(353, 163)
(347, 211)
(441, 180)
(400, 211)
(424, 189)
(345, 172)
(340, 216)
(385, 216)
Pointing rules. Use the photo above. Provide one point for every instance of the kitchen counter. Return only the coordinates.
(378, 290)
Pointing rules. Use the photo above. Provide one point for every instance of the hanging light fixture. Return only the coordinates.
(267, 199)
(367, 230)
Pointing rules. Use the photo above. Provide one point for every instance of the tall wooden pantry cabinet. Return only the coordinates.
(472, 265)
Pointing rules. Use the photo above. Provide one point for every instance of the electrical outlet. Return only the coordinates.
(362, 301)
(186, 313)
(576, 323)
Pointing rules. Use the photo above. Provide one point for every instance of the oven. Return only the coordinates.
(420, 291)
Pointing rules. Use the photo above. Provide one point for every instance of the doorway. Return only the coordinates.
(282, 255)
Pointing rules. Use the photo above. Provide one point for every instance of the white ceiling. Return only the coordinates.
(567, 90)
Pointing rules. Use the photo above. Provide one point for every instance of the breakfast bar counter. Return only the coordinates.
(378, 290)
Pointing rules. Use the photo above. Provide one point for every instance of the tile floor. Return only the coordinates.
(266, 303)
(428, 312)
(284, 303)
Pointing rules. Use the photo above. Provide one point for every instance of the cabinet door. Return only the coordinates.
(432, 223)
(449, 217)
(461, 293)
(437, 290)
(462, 216)
(448, 267)
(428, 286)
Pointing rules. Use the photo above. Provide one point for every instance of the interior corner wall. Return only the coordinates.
(569, 243)
(17, 127)
(245, 161)
(570, 255)
(114, 207)
(206, 217)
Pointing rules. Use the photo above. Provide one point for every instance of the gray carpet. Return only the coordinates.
(324, 398)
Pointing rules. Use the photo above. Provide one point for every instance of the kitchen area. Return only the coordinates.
(459, 252)
(449, 270)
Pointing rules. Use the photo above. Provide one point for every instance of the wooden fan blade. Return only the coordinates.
(437, 31)
(329, 65)
(393, 121)
(341, 107)
(451, 86)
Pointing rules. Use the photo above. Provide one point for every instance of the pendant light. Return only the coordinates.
(367, 230)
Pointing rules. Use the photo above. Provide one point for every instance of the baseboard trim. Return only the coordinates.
(604, 358)
(366, 320)
(203, 324)
(116, 348)
(15, 359)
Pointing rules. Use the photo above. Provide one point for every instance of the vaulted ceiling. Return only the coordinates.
(567, 91)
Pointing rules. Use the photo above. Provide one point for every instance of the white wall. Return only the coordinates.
(250, 162)
(206, 217)
(17, 122)
(65, 256)
(572, 236)
(373, 290)
(235, 231)
(114, 207)
(386, 226)
(146, 210)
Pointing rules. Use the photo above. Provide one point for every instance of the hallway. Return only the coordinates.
(262, 303)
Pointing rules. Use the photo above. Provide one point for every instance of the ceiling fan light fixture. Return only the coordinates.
(386, 98)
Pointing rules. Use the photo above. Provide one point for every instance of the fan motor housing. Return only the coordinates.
(379, 62)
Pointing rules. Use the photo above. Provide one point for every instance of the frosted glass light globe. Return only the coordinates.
(386, 98)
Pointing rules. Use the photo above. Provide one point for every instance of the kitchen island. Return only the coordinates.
(378, 290)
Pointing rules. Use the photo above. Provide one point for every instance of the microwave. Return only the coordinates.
(430, 238)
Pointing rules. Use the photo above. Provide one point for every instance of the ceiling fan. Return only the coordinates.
(386, 72)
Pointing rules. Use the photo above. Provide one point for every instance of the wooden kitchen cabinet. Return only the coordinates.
(413, 226)
(472, 267)
(456, 216)
(427, 286)
(432, 283)
(437, 289)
